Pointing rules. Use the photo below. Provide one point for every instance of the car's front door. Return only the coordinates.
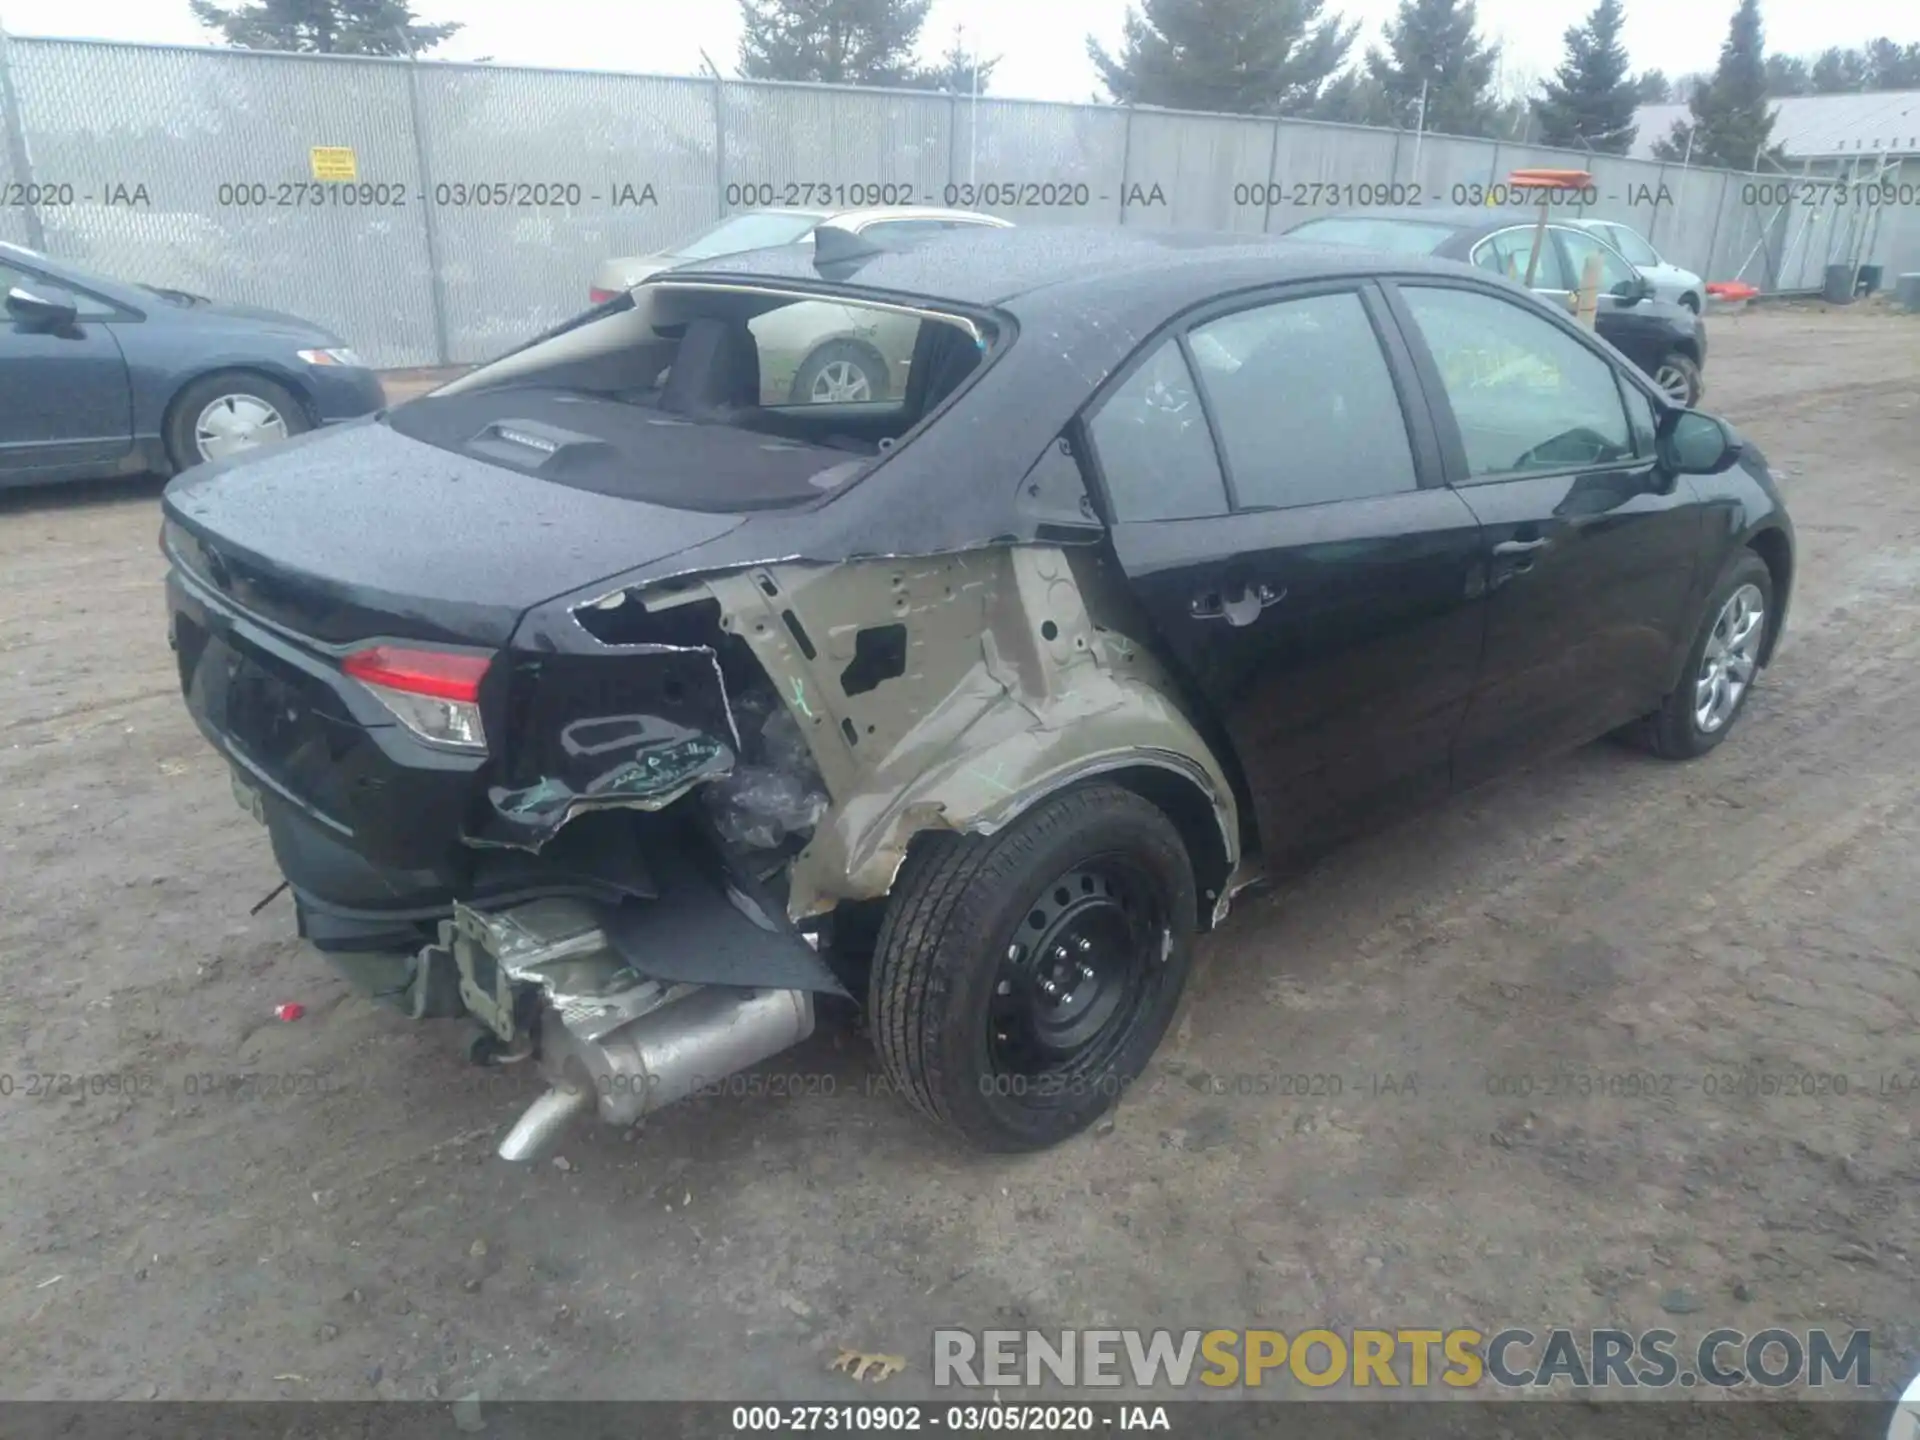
(68, 406)
(1590, 544)
(1273, 487)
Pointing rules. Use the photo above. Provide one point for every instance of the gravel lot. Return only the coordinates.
(1753, 914)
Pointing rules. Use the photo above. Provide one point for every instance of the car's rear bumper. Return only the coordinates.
(363, 815)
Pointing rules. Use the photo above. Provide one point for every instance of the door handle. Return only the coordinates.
(1521, 547)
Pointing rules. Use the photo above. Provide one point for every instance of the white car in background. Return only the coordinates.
(1670, 282)
(812, 354)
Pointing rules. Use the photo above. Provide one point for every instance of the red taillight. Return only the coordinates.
(599, 296)
(433, 673)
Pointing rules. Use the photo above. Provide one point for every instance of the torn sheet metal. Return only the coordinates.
(633, 726)
(1006, 689)
(714, 927)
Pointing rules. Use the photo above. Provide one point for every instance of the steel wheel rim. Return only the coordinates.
(1674, 384)
(1732, 656)
(234, 423)
(841, 382)
(1078, 974)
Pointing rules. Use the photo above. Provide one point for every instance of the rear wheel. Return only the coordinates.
(1691, 302)
(222, 415)
(1023, 980)
(1679, 379)
(1721, 667)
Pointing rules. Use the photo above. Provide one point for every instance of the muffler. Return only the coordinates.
(608, 1038)
(668, 1054)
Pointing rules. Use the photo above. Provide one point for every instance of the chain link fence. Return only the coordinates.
(483, 196)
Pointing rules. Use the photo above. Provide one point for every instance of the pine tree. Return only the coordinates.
(954, 74)
(840, 42)
(1837, 71)
(324, 27)
(1238, 57)
(1787, 75)
(1732, 124)
(1432, 42)
(1353, 98)
(1652, 88)
(1893, 67)
(1589, 103)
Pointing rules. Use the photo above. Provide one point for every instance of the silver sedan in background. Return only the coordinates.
(1670, 282)
(811, 353)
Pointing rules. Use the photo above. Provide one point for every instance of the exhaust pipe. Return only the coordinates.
(667, 1054)
(533, 1133)
(608, 1038)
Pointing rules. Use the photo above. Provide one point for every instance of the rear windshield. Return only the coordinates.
(708, 399)
(1399, 237)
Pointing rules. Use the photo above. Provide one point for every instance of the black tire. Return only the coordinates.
(1673, 732)
(871, 367)
(953, 925)
(1691, 302)
(1685, 369)
(182, 416)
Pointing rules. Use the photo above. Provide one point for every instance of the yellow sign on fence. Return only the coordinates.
(334, 162)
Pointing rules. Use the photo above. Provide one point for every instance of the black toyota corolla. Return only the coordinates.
(609, 699)
(1667, 341)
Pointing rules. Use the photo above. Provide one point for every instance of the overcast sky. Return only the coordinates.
(1041, 42)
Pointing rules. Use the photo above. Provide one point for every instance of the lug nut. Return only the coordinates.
(1049, 989)
(1085, 944)
(1086, 972)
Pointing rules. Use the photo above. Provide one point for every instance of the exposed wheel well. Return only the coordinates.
(1193, 815)
(1771, 546)
(1181, 800)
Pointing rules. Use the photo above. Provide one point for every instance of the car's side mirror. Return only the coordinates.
(1695, 443)
(1633, 291)
(44, 308)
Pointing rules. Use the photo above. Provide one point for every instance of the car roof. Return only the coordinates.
(875, 214)
(862, 215)
(1468, 225)
(1136, 269)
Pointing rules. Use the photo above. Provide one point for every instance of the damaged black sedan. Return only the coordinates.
(615, 701)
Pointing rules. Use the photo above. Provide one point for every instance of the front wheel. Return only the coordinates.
(222, 415)
(1679, 380)
(1721, 667)
(1022, 981)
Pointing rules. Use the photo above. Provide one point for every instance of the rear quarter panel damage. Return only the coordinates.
(952, 692)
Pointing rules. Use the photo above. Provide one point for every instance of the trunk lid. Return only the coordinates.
(358, 531)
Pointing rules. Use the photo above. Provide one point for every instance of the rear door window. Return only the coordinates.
(1305, 404)
(1154, 447)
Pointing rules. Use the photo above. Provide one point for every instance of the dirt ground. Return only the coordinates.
(209, 1235)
